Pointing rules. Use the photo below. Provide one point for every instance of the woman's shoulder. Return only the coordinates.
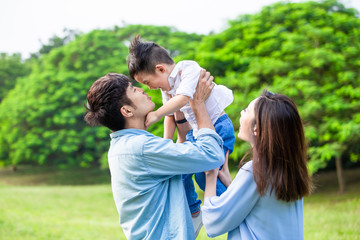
(248, 166)
(245, 172)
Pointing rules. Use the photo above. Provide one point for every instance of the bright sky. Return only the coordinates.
(24, 23)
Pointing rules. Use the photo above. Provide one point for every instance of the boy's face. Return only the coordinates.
(157, 80)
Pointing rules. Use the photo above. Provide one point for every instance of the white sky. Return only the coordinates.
(24, 23)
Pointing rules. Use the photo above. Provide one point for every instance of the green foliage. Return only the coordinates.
(11, 68)
(308, 51)
(41, 119)
(57, 41)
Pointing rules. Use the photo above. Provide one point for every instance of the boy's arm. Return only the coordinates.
(169, 127)
(183, 127)
(171, 106)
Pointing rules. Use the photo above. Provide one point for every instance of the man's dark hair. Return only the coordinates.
(104, 100)
(144, 56)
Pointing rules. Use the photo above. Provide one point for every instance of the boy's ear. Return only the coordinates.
(127, 111)
(255, 131)
(160, 68)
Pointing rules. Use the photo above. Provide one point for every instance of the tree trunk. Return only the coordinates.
(340, 176)
(14, 168)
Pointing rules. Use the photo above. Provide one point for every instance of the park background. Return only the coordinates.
(54, 181)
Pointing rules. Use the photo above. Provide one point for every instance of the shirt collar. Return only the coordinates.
(128, 131)
(173, 75)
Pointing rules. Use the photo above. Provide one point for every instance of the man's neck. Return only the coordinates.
(136, 123)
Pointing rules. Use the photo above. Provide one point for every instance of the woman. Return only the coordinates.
(265, 200)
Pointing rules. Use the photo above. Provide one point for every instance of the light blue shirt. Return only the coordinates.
(147, 185)
(245, 215)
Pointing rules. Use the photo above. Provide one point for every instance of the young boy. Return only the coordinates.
(151, 64)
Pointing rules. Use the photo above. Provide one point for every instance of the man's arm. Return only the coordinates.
(164, 157)
(205, 85)
(203, 90)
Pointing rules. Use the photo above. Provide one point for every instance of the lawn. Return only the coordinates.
(45, 203)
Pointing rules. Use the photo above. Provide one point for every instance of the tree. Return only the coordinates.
(11, 68)
(56, 41)
(309, 51)
(41, 119)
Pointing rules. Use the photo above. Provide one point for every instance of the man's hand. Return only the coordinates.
(151, 118)
(203, 89)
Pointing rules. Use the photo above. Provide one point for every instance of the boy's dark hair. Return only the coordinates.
(104, 100)
(144, 56)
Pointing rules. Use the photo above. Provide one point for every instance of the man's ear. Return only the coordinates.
(127, 111)
(161, 68)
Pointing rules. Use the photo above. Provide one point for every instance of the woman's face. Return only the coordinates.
(247, 116)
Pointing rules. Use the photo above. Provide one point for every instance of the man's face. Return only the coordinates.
(142, 102)
(154, 81)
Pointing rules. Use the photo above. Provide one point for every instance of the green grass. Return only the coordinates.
(330, 215)
(45, 203)
(62, 212)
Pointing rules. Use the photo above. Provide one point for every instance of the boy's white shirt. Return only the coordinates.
(183, 81)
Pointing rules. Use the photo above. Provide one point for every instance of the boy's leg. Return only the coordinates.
(191, 195)
(225, 129)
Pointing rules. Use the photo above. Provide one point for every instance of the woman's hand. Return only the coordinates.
(224, 173)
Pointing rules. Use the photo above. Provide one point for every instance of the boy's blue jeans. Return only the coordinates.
(225, 129)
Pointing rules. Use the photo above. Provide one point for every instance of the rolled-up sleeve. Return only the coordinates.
(164, 157)
(226, 212)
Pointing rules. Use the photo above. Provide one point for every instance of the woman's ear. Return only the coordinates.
(255, 131)
(127, 111)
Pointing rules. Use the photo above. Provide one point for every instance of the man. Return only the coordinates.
(145, 169)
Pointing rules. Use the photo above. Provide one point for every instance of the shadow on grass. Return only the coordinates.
(31, 175)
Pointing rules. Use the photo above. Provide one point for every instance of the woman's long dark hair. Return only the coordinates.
(279, 152)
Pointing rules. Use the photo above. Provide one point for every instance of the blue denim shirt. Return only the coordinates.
(147, 185)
